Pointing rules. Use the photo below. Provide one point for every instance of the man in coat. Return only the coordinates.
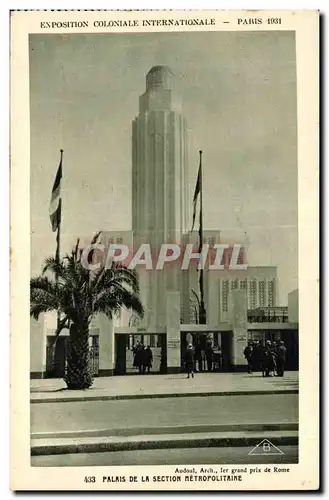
(268, 363)
(136, 355)
(256, 356)
(248, 355)
(281, 358)
(148, 359)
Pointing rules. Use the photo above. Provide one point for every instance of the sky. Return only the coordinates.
(238, 92)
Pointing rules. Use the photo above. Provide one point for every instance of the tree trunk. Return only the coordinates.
(78, 373)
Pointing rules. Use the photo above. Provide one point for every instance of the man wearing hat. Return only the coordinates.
(189, 361)
(268, 360)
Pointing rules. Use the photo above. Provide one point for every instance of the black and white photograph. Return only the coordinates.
(164, 277)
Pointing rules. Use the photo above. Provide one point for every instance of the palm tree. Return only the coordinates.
(78, 294)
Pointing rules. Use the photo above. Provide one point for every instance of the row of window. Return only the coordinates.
(253, 300)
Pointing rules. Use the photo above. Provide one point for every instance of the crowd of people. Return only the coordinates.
(269, 358)
(143, 358)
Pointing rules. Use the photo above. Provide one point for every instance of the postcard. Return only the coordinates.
(164, 250)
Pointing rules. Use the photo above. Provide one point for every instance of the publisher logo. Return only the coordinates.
(265, 447)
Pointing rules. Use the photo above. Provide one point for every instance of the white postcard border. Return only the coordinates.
(304, 475)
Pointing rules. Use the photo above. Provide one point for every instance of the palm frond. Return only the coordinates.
(52, 264)
(95, 238)
(79, 294)
(109, 301)
(43, 283)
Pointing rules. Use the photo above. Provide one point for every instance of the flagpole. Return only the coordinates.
(58, 238)
(202, 309)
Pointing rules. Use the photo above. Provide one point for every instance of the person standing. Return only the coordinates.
(248, 355)
(136, 348)
(209, 356)
(281, 358)
(219, 358)
(189, 361)
(274, 356)
(198, 355)
(148, 358)
(256, 356)
(268, 360)
(139, 358)
(143, 359)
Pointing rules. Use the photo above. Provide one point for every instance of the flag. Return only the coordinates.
(196, 194)
(55, 201)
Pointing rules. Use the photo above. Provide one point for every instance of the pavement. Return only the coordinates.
(164, 386)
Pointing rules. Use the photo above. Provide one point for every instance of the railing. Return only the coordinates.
(58, 368)
(94, 360)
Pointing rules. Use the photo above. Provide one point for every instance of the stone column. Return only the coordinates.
(240, 328)
(173, 332)
(106, 346)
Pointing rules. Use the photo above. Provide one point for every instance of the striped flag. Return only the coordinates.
(55, 201)
(196, 194)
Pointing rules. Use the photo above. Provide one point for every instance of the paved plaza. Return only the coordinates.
(145, 386)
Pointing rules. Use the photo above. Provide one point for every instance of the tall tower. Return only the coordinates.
(159, 184)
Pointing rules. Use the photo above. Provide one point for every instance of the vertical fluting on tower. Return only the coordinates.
(159, 184)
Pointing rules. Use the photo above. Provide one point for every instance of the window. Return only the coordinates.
(243, 284)
(261, 293)
(253, 294)
(234, 284)
(271, 293)
(225, 288)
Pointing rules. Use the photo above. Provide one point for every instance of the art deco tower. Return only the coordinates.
(159, 183)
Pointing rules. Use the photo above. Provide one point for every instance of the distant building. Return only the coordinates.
(258, 282)
(293, 307)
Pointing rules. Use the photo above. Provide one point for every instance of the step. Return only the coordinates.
(173, 429)
(62, 398)
(96, 444)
